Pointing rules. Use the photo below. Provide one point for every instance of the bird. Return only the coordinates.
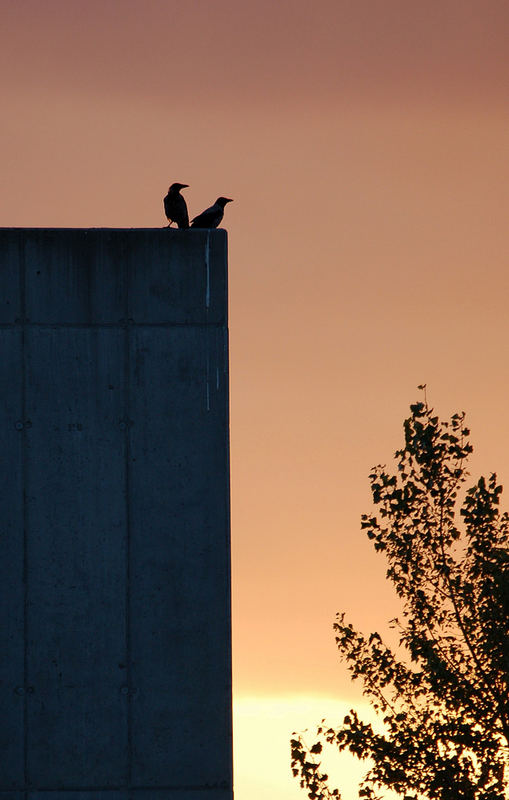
(175, 206)
(211, 217)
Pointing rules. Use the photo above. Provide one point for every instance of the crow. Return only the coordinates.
(175, 206)
(211, 217)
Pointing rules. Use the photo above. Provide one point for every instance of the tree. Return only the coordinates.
(443, 696)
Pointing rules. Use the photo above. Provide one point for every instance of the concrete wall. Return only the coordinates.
(115, 676)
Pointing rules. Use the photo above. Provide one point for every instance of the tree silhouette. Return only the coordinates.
(444, 698)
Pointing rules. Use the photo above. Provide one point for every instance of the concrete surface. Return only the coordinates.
(115, 661)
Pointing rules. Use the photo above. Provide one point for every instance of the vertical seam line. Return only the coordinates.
(127, 450)
(22, 290)
(207, 266)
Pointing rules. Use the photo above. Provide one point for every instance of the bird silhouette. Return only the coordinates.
(175, 206)
(211, 217)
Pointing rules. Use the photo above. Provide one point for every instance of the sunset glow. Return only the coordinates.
(365, 146)
(261, 758)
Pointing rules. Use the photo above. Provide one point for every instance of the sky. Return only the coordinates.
(366, 147)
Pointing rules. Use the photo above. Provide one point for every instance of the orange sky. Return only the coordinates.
(366, 147)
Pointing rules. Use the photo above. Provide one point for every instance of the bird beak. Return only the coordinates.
(228, 199)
